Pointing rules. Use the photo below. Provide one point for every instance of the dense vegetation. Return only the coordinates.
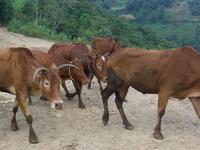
(177, 21)
(154, 26)
(6, 11)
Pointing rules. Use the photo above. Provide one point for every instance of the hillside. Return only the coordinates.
(82, 129)
(173, 10)
(152, 24)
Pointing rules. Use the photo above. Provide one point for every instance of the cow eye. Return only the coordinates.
(46, 83)
(99, 66)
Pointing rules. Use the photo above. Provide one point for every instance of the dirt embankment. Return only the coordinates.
(76, 129)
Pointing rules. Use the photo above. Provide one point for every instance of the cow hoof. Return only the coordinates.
(33, 140)
(129, 127)
(105, 119)
(82, 106)
(14, 127)
(30, 103)
(69, 98)
(43, 98)
(158, 135)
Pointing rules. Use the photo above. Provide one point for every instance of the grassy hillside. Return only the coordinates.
(177, 21)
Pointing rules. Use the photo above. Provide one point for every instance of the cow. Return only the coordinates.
(174, 73)
(105, 46)
(68, 70)
(22, 75)
(93, 63)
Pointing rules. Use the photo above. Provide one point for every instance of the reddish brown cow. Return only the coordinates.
(166, 73)
(105, 46)
(93, 63)
(68, 70)
(20, 74)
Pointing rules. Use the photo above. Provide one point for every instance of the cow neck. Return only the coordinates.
(89, 67)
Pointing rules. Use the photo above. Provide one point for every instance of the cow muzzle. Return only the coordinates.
(56, 104)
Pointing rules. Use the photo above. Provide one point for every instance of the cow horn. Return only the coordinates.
(38, 70)
(67, 65)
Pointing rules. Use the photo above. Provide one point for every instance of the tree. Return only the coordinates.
(6, 10)
(194, 6)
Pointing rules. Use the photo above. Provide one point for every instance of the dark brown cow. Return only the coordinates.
(68, 70)
(94, 64)
(105, 46)
(166, 73)
(20, 74)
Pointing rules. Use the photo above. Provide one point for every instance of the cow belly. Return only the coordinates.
(187, 93)
(143, 88)
(3, 89)
(194, 94)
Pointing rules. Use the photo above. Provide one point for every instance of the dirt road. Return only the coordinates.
(76, 129)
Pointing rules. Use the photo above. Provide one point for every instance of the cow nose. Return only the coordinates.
(59, 106)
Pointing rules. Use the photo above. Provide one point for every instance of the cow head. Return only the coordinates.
(98, 65)
(76, 71)
(49, 81)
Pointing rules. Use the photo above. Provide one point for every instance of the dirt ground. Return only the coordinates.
(76, 129)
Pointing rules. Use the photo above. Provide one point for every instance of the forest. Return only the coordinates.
(152, 24)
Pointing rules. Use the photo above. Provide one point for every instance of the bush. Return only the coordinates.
(6, 11)
(39, 31)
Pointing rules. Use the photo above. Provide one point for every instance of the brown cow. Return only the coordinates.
(166, 73)
(94, 64)
(68, 70)
(20, 74)
(105, 46)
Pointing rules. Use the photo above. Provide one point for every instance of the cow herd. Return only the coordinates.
(26, 72)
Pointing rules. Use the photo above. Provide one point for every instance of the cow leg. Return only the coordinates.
(162, 103)
(196, 104)
(90, 80)
(78, 88)
(100, 85)
(14, 125)
(113, 84)
(30, 102)
(70, 96)
(120, 96)
(21, 99)
(106, 93)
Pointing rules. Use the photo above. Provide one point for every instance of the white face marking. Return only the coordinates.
(103, 58)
